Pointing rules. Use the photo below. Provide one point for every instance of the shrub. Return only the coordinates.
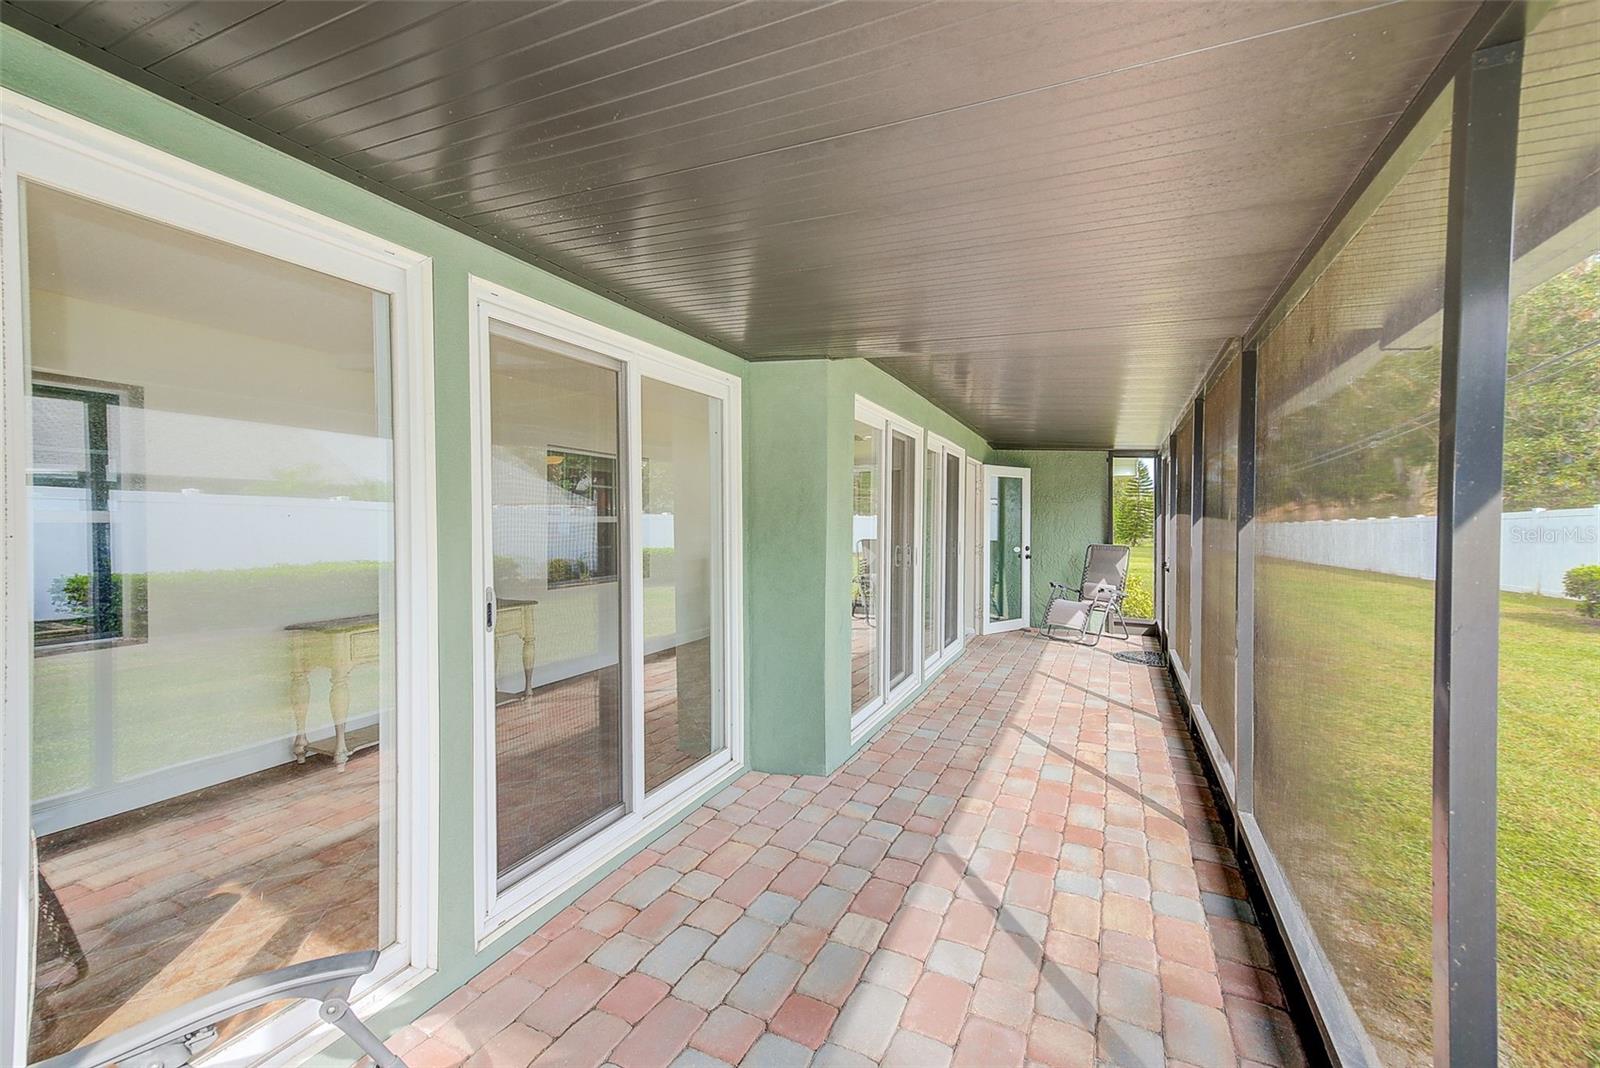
(1138, 602)
(1584, 584)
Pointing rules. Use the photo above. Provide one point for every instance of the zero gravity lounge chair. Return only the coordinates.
(1090, 607)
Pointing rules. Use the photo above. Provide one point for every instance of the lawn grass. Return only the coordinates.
(1142, 575)
(1347, 799)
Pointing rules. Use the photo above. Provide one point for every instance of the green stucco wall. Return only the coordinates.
(1069, 514)
(797, 517)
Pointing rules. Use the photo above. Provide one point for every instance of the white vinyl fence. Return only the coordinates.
(1537, 548)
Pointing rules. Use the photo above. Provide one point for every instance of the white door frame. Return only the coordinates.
(946, 649)
(498, 909)
(45, 145)
(995, 471)
(866, 719)
(972, 606)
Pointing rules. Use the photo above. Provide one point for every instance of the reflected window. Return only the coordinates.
(83, 592)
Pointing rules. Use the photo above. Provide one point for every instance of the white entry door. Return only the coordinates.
(1007, 547)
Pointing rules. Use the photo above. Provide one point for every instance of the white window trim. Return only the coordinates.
(47, 145)
(497, 911)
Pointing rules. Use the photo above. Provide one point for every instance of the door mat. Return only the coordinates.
(1147, 659)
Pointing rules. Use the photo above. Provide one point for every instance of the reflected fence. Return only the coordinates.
(1537, 547)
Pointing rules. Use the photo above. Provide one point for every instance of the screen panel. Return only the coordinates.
(1182, 537)
(1219, 556)
(1549, 793)
(1346, 504)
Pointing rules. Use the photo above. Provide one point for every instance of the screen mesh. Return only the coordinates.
(1346, 505)
(1549, 851)
(1219, 555)
(1183, 474)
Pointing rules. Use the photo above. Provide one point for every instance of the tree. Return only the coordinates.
(1133, 508)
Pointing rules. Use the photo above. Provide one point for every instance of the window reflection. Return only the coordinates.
(213, 532)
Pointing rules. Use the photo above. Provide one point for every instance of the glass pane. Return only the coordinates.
(681, 432)
(931, 558)
(1219, 554)
(977, 515)
(952, 548)
(1182, 531)
(866, 553)
(1346, 498)
(556, 516)
(213, 513)
(1005, 548)
(902, 529)
(1133, 523)
(1549, 848)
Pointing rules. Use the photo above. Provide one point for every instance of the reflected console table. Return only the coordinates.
(341, 645)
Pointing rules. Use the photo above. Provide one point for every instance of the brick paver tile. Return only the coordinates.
(677, 953)
(937, 1007)
(986, 1044)
(660, 1036)
(775, 1051)
(577, 992)
(1197, 1034)
(489, 1013)
(705, 984)
(1129, 1045)
(514, 1047)
(833, 973)
(586, 1043)
(727, 1034)
(908, 1049)
(633, 997)
(1053, 1044)
(765, 985)
(868, 1020)
(804, 1020)
(969, 923)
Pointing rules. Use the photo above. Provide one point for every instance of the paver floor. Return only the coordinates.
(1024, 868)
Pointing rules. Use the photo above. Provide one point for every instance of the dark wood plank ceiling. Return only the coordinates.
(1046, 216)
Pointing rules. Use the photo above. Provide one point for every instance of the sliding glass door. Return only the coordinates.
(941, 534)
(607, 546)
(903, 558)
(867, 551)
(208, 745)
(556, 600)
(887, 556)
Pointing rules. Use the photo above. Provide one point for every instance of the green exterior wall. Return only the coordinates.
(799, 416)
(1069, 514)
